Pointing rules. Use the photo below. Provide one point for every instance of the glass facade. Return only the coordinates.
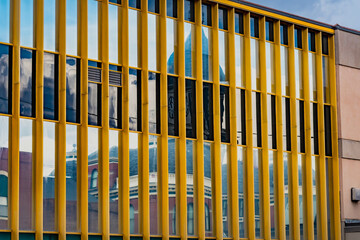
(135, 136)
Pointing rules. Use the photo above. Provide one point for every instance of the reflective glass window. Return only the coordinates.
(172, 158)
(50, 25)
(154, 102)
(134, 51)
(207, 53)
(326, 80)
(273, 199)
(114, 11)
(206, 14)
(153, 6)
(5, 78)
(26, 176)
(286, 124)
(115, 1)
(189, 50)
(269, 25)
(299, 74)
(208, 155)
(239, 23)
(190, 98)
(255, 64)
(49, 176)
(286, 159)
(241, 190)
(271, 121)
(114, 181)
(315, 196)
(27, 23)
(153, 184)
(171, 45)
(134, 99)
(72, 90)
(312, 77)
(257, 194)
(71, 179)
(256, 119)
(189, 10)
(223, 57)
(135, 4)
(134, 183)
(225, 194)
(71, 27)
(254, 27)
(328, 141)
(171, 8)
(240, 117)
(93, 28)
(284, 55)
(190, 159)
(4, 173)
(224, 114)
(301, 159)
(5, 21)
(94, 104)
(325, 44)
(51, 86)
(314, 128)
(173, 106)
(239, 61)
(311, 41)
(270, 67)
(298, 38)
(153, 42)
(27, 82)
(93, 173)
(284, 34)
(115, 106)
(300, 113)
(223, 19)
(208, 111)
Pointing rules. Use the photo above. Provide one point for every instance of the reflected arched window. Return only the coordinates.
(94, 178)
(132, 219)
(190, 218)
(207, 218)
(3, 196)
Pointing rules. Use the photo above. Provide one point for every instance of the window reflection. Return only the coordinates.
(93, 191)
(171, 8)
(207, 53)
(172, 157)
(72, 223)
(284, 71)
(208, 189)
(113, 33)
(154, 102)
(27, 83)
(298, 74)
(239, 61)
(240, 116)
(241, 190)
(286, 124)
(93, 47)
(71, 27)
(134, 99)
(134, 52)
(224, 114)
(286, 158)
(171, 45)
(153, 6)
(134, 183)
(49, 176)
(273, 199)
(189, 10)
(224, 184)
(50, 86)
(27, 23)
(257, 186)
(271, 114)
(223, 56)
(301, 191)
(208, 111)
(26, 197)
(72, 90)
(314, 174)
(190, 159)
(115, 106)
(153, 184)
(223, 18)
(94, 104)
(255, 66)
(254, 27)
(189, 50)
(256, 119)
(173, 106)
(190, 99)
(270, 67)
(5, 21)
(114, 181)
(50, 25)
(326, 82)
(4, 173)
(5, 78)
(153, 38)
(206, 14)
(312, 77)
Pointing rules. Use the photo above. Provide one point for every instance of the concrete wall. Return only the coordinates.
(348, 97)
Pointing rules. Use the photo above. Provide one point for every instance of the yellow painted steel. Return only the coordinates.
(38, 123)
(83, 129)
(293, 179)
(279, 163)
(104, 139)
(264, 164)
(233, 211)
(14, 130)
(60, 135)
(181, 199)
(249, 169)
(199, 207)
(308, 214)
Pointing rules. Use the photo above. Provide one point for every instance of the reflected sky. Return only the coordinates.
(298, 74)
(4, 79)
(238, 60)
(26, 82)
(312, 76)
(5, 21)
(171, 45)
(284, 70)
(189, 49)
(27, 23)
(270, 79)
(113, 34)
(223, 56)
(93, 47)
(133, 38)
(207, 53)
(153, 30)
(71, 27)
(255, 72)
(49, 25)
(4, 133)
(49, 149)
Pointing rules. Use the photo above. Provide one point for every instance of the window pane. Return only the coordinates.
(286, 159)
(154, 102)
(27, 83)
(314, 128)
(254, 27)
(72, 90)
(206, 14)
(312, 77)
(326, 82)
(4, 173)
(325, 44)
(94, 104)
(190, 159)
(153, 6)
(153, 38)
(134, 99)
(239, 61)
(135, 4)
(240, 116)
(239, 23)
(284, 34)
(49, 175)
(269, 31)
(223, 19)
(93, 173)
(314, 173)
(171, 8)
(93, 28)
(71, 27)
(72, 223)
(207, 53)
(208, 111)
(273, 199)
(299, 74)
(257, 186)
(113, 33)
(27, 23)
(50, 25)
(26, 197)
(134, 183)
(115, 106)
(284, 71)
(51, 87)
(301, 126)
(5, 79)
(153, 186)
(173, 106)
(190, 98)
(189, 10)
(286, 124)
(224, 114)
(134, 52)
(270, 68)
(225, 196)
(311, 39)
(223, 57)
(241, 155)
(172, 157)
(328, 142)
(208, 189)
(255, 65)
(271, 114)
(5, 21)
(189, 50)
(114, 181)
(298, 38)
(256, 119)
(171, 45)
(301, 159)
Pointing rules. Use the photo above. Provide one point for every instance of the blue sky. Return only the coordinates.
(343, 12)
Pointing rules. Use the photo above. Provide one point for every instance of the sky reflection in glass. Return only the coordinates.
(27, 23)
(71, 27)
(93, 41)
(113, 34)
(5, 21)
(49, 25)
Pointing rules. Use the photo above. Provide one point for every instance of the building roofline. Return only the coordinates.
(346, 29)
